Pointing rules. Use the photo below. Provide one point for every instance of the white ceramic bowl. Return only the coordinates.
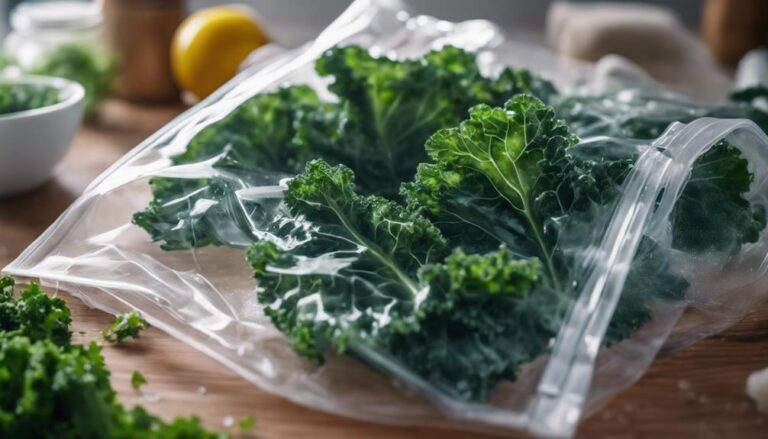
(32, 142)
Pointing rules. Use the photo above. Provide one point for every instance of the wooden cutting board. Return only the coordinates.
(698, 392)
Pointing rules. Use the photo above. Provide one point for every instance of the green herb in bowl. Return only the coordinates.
(23, 97)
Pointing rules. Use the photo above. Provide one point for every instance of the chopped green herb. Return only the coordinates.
(247, 424)
(126, 325)
(137, 380)
(23, 97)
(52, 389)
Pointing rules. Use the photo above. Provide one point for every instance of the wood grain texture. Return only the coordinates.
(698, 392)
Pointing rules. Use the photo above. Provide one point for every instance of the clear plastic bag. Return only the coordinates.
(617, 289)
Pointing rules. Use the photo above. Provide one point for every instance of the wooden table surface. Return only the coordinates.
(698, 392)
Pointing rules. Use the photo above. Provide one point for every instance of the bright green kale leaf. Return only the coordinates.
(23, 97)
(515, 159)
(52, 389)
(92, 68)
(247, 424)
(125, 325)
(137, 380)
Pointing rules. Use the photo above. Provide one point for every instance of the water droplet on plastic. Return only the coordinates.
(150, 397)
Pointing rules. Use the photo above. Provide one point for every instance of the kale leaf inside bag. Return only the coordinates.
(386, 110)
(365, 270)
(468, 272)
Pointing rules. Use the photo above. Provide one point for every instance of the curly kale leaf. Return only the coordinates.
(52, 389)
(365, 270)
(388, 108)
(508, 176)
(350, 267)
(712, 213)
(485, 315)
(514, 161)
(253, 146)
(258, 133)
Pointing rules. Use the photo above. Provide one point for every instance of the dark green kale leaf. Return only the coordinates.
(126, 325)
(508, 176)
(353, 270)
(750, 94)
(712, 213)
(636, 114)
(485, 315)
(258, 134)
(388, 108)
(23, 97)
(347, 263)
(52, 389)
(34, 315)
(253, 146)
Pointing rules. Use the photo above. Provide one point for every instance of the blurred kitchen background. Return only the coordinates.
(298, 20)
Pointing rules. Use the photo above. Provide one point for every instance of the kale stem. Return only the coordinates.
(540, 240)
(374, 249)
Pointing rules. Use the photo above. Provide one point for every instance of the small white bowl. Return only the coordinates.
(32, 142)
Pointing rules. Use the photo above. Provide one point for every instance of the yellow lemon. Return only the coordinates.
(209, 46)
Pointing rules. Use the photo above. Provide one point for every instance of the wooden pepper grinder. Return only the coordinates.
(140, 34)
(731, 28)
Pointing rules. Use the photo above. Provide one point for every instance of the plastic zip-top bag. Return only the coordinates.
(399, 223)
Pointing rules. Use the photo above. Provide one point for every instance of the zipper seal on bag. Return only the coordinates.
(665, 166)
